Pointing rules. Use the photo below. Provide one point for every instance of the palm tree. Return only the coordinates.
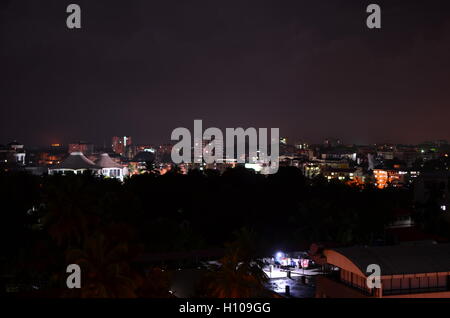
(105, 268)
(239, 273)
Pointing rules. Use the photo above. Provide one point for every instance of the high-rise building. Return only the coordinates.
(119, 144)
(85, 147)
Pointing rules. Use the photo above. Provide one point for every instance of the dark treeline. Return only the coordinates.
(51, 221)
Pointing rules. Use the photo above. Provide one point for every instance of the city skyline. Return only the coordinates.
(109, 143)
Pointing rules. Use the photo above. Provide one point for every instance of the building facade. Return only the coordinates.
(407, 271)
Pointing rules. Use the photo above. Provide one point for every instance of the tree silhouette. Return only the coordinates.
(239, 273)
(106, 269)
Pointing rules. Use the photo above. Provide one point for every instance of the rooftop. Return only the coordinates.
(76, 161)
(105, 161)
(401, 259)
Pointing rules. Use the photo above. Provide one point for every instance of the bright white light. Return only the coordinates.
(254, 166)
(279, 254)
(443, 207)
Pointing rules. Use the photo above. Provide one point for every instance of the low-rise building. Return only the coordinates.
(109, 168)
(12, 154)
(391, 177)
(407, 271)
(340, 174)
(75, 163)
(78, 163)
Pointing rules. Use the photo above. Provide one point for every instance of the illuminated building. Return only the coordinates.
(381, 178)
(75, 163)
(406, 271)
(78, 163)
(317, 166)
(47, 158)
(119, 144)
(84, 147)
(302, 146)
(18, 152)
(109, 168)
(14, 153)
(145, 148)
(335, 164)
(341, 174)
(310, 170)
(391, 177)
(130, 151)
(386, 155)
(339, 154)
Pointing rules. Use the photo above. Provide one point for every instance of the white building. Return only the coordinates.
(76, 163)
(111, 169)
(13, 153)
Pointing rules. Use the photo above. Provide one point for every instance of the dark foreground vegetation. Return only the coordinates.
(105, 226)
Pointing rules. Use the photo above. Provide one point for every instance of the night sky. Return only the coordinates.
(143, 68)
